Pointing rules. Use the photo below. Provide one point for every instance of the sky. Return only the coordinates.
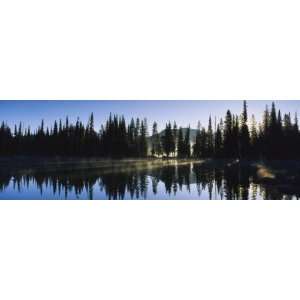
(185, 112)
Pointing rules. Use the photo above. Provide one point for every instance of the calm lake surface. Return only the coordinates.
(137, 180)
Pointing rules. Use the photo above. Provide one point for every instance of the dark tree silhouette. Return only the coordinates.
(168, 140)
(197, 145)
(180, 144)
(276, 137)
(244, 134)
(187, 145)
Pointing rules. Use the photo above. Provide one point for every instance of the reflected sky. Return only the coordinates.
(187, 180)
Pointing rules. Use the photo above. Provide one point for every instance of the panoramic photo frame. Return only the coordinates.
(209, 150)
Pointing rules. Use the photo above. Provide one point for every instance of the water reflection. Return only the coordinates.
(170, 180)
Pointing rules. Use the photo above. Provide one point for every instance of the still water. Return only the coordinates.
(136, 180)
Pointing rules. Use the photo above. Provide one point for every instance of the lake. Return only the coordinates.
(139, 179)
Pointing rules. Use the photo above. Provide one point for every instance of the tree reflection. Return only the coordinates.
(218, 182)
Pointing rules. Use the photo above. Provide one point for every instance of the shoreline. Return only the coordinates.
(269, 170)
(62, 159)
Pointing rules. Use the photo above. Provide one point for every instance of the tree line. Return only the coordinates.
(276, 137)
(114, 139)
(235, 136)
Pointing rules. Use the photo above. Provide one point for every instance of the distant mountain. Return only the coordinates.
(193, 133)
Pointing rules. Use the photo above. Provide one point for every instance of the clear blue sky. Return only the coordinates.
(184, 112)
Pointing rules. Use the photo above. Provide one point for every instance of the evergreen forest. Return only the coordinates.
(276, 136)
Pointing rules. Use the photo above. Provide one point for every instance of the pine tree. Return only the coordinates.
(253, 138)
(203, 144)
(156, 144)
(168, 140)
(175, 133)
(137, 137)
(244, 133)
(143, 140)
(228, 140)
(210, 138)
(187, 145)
(131, 138)
(197, 145)
(265, 133)
(180, 144)
(236, 138)
(218, 143)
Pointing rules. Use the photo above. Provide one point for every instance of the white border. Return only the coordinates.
(161, 49)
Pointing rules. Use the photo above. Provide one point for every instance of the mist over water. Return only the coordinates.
(138, 180)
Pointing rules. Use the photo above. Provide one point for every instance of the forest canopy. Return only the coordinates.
(236, 136)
